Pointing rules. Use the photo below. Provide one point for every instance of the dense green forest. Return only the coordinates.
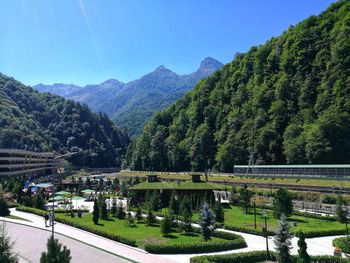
(287, 101)
(45, 122)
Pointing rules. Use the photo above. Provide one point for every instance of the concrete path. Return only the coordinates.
(110, 246)
(30, 242)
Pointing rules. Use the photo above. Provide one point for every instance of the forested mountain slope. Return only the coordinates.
(45, 122)
(132, 104)
(287, 101)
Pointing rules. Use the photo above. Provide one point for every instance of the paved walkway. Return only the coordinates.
(30, 242)
(316, 246)
(99, 242)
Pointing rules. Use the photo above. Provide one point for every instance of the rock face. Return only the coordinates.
(132, 104)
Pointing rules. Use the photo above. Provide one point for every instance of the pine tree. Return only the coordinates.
(114, 208)
(150, 219)
(219, 212)
(104, 212)
(6, 246)
(303, 256)
(4, 209)
(55, 253)
(139, 214)
(120, 211)
(131, 221)
(207, 221)
(173, 204)
(283, 241)
(96, 213)
(39, 202)
(282, 203)
(186, 214)
(339, 212)
(166, 224)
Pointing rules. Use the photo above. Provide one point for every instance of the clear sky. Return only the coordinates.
(89, 41)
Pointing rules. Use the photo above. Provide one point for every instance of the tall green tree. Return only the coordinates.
(340, 213)
(303, 256)
(4, 209)
(219, 212)
(283, 241)
(104, 212)
(207, 222)
(166, 224)
(55, 253)
(282, 203)
(96, 212)
(186, 214)
(7, 254)
(245, 195)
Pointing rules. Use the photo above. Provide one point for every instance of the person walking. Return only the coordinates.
(50, 218)
(46, 218)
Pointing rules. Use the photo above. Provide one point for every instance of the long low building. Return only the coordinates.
(20, 162)
(330, 171)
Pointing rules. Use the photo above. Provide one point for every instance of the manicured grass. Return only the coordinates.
(236, 217)
(243, 179)
(142, 233)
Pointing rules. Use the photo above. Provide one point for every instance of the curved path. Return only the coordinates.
(30, 242)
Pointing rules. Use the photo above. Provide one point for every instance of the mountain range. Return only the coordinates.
(130, 105)
(284, 102)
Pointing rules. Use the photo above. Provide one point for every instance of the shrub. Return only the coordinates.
(342, 243)
(248, 230)
(4, 210)
(122, 239)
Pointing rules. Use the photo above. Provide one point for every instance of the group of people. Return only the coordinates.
(48, 218)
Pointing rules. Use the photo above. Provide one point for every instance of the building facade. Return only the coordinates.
(20, 162)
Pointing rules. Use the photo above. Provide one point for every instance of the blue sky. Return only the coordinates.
(89, 41)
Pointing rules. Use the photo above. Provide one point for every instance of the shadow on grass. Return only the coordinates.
(190, 234)
(296, 220)
(170, 236)
(99, 224)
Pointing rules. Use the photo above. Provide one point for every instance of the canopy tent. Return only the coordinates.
(63, 193)
(76, 199)
(56, 198)
(88, 191)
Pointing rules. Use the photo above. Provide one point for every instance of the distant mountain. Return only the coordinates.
(284, 102)
(132, 104)
(44, 122)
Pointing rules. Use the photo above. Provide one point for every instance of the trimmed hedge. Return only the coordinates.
(324, 233)
(315, 216)
(248, 230)
(62, 211)
(115, 237)
(258, 256)
(197, 247)
(342, 243)
(231, 241)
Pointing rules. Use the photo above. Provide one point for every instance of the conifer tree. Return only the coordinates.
(282, 203)
(303, 256)
(245, 195)
(96, 213)
(207, 222)
(55, 253)
(139, 214)
(4, 209)
(120, 211)
(283, 241)
(6, 246)
(166, 224)
(186, 214)
(219, 212)
(339, 212)
(150, 219)
(114, 208)
(173, 204)
(104, 212)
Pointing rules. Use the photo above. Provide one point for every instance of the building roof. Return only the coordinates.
(296, 166)
(188, 185)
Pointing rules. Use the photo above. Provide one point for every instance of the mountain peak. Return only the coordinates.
(112, 82)
(210, 62)
(162, 68)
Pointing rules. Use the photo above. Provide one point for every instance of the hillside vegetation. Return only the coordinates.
(287, 101)
(44, 122)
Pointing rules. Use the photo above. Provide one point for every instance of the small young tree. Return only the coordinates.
(186, 214)
(114, 208)
(150, 219)
(245, 195)
(219, 212)
(6, 246)
(139, 214)
(104, 212)
(120, 211)
(55, 253)
(339, 212)
(166, 224)
(303, 256)
(174, 204)
(131, 221)
(28, 201)
(282, 203)
(39, 202)
(4, 209)
(283, 241)
(96, 213)
(206, 221)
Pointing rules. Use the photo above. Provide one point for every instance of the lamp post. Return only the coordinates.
(254, 207)
(266, 235)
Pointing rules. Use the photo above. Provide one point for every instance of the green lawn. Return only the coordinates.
(141, 233)
(236, 217)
